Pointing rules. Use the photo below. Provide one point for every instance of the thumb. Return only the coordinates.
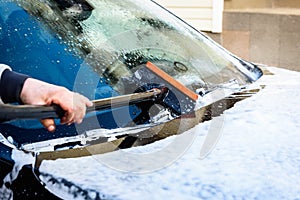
(48, 124)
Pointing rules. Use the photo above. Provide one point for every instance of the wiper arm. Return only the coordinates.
(231, 84)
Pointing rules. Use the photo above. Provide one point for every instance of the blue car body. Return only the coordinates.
(64, 51)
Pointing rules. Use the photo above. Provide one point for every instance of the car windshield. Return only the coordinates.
(97, 48)
(113, 38)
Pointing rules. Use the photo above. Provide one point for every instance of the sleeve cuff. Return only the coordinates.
(11, 85)
(3, 67)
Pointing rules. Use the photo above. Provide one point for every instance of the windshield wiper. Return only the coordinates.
(231, 84)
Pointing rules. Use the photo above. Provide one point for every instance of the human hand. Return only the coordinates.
(36, 92)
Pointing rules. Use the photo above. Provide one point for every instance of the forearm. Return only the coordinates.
(15, 87)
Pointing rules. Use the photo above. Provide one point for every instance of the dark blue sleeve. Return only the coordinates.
(11, 85)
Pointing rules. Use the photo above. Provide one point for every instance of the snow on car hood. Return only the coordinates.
(257, 156)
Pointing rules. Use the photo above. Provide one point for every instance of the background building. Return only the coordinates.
(262, 31)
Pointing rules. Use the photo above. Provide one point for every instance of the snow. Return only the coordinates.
(256, 155)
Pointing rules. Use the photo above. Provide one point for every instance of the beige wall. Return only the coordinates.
(205, 15)
(242, 4)
(196, 13)
(263, 37)
(269, 36)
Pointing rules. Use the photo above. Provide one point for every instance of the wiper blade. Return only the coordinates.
(231, 84)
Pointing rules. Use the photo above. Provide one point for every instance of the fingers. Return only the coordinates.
(75, 110)
(36, 92)
(68, 118)
(48, 124)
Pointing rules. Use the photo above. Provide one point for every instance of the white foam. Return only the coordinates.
(256, 157)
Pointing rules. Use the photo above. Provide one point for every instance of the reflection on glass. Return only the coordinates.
(116, 36)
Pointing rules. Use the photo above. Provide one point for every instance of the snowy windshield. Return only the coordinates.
(115, 37)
